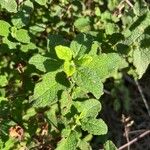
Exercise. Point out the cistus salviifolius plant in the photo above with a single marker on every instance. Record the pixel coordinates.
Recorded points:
(55, 58)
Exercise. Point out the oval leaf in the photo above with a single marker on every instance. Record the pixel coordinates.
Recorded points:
(90, 81)
(69, 143)
(9, 5)
(63, 52)
(22, 36)
(109, 145)
(88, 108)
(4, 28)
(69, 68)
(94, 126)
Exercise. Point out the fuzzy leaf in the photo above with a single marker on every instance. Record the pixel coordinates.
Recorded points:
(22, 36)
(89, 81)
(11, 45)
(44, 64)
(29, 113)
(69, 143)
(9, 144)
(4, 28)
(82, 24)
(88, 108)
(141, 60)
(69, 68)
(22, 17)
(81, 45)
(27, 47)
(3, 81)
(65, 102)
(45, 92)
(83, 145)
(9, 5)
(52, 116)
(94, 126)
(84, 61)
(63, 52)
(109, 145)
(138, 28)
(105, 64)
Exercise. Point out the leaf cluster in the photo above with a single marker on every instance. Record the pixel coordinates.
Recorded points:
(55, 58)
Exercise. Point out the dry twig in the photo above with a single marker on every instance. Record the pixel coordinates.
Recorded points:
(134, 140)
(120, 7)
(143, 97)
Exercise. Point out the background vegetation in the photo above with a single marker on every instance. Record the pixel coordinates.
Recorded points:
(74, 74)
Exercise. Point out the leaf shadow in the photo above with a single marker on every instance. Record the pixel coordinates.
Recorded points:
(52, 64)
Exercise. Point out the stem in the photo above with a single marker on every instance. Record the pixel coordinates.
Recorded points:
(143, 97)
(134, 140)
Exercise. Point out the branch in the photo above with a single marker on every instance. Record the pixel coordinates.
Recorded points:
(134, 140)
(143, 97)
(135, 82)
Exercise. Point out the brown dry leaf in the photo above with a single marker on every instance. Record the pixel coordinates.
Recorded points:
(16, 132)
(44, 130)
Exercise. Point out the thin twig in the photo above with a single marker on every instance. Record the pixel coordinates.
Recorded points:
(129, 3)
(107, 92)
(127, 136)
(120, 7)
(137, 131)
(134, 140)
(143, 97)
(128, 78)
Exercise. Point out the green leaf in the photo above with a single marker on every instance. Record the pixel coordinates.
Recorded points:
(65, 132)
(112, 4)
(27, 47)
(3, 81)
(106, 64)
(110, 28)
(81, 45)
(141, 60)
(138, 28)
(30, 112)
(89, 81)
(106, 16)
(1, 144)
(69, 68)
(109, 145)
(52, 116)
(3, 99)
(54, 40)
(22, 17)
(88, 108)
(82, 24)
(9, 5)
(78, 92)
(11, 45)
(38, 27)
(63, 52)
(83, 145)
(69, 143)
(84, 61)
(4, 28)
(45, 92)
(97, 11)
(22, 36)
(9, 144)
(41, 2)
(65, 102)
(44, 64)
(94, 126)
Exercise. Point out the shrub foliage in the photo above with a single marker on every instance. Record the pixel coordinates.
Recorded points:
(55, 57)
